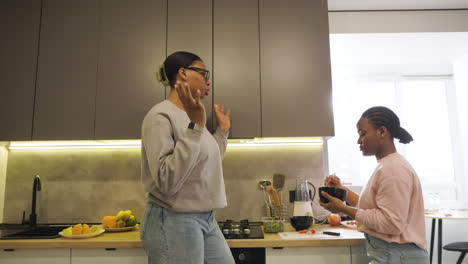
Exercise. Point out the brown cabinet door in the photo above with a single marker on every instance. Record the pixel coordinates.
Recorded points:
(19, 24)
(295, 69)
(132, 46)
(67, 66)
(236, 62)
(190, 29)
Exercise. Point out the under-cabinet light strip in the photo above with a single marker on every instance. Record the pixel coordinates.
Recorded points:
(107, 144)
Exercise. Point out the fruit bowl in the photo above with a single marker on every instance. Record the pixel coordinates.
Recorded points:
(120, 229)
(82, 231)
(83, 235)
(123, 221)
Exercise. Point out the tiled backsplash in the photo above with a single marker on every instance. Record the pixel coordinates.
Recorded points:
(244, 167)
(85, 185)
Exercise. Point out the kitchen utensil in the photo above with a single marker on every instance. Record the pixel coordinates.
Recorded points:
(302, 208)
(302, 190)
(273, 196)
(263, 185)
(263, 188)
(303, 201)
(278, 184)
(331, 233)
(278, 181)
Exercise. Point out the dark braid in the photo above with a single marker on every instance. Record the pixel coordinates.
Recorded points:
(382, 116)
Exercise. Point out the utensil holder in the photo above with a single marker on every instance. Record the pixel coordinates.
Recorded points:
(278, 211)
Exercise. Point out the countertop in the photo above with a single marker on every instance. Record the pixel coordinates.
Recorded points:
(131, 239)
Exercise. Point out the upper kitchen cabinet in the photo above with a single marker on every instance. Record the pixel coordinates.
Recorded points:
(133, 45)
(19, 24)
(236, 61)
(296, 94)
(189, 29)
(66, 77)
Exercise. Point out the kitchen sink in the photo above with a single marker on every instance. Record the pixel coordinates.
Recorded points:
(39, 232)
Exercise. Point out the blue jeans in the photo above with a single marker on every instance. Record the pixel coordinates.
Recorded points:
(381, 251)
(170, 237)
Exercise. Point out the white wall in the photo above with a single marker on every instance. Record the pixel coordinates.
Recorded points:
(460, 69)
(3, 167)
(398, 21)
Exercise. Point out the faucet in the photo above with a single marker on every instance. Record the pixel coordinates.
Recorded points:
(33, 217)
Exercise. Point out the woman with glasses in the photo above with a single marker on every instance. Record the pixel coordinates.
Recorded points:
(181, 169)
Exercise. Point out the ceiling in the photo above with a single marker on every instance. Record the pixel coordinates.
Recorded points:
(336, 5)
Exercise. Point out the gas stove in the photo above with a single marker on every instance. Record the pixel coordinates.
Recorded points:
(241, 230)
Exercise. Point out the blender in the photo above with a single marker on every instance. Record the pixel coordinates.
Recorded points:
(302, 214)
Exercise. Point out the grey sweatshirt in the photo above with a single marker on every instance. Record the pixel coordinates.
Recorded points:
(181, 168)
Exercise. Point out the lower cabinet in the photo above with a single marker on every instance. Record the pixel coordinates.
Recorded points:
(296, 255)
(329, 255)
(359, 255)
(303, 255)
(36, 256)
(108, 256)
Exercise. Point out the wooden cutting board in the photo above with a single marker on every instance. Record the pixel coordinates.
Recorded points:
(296, 235)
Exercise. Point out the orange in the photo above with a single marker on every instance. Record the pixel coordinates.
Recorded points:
(76, 229)
(109, 221)
(85, 229)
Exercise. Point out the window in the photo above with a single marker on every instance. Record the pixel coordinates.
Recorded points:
(425, 103)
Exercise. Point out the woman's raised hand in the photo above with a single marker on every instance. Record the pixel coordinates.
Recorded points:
(223, 117)
(192, 103)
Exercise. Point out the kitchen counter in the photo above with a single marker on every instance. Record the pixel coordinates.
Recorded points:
(131, 239)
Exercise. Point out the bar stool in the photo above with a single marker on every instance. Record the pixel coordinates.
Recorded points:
(461, 247)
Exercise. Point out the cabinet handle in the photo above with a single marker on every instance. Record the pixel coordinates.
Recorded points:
(111, 249)
(9, 249)
(278, 247)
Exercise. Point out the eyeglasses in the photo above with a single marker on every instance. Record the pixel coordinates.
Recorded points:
(204, 72)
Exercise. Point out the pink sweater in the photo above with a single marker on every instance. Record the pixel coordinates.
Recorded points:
(391, 206)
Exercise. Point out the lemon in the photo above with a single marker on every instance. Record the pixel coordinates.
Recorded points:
(67, 231)
(95, 229)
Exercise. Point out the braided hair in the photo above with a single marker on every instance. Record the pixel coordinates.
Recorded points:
(380, 116)
(167, 72)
